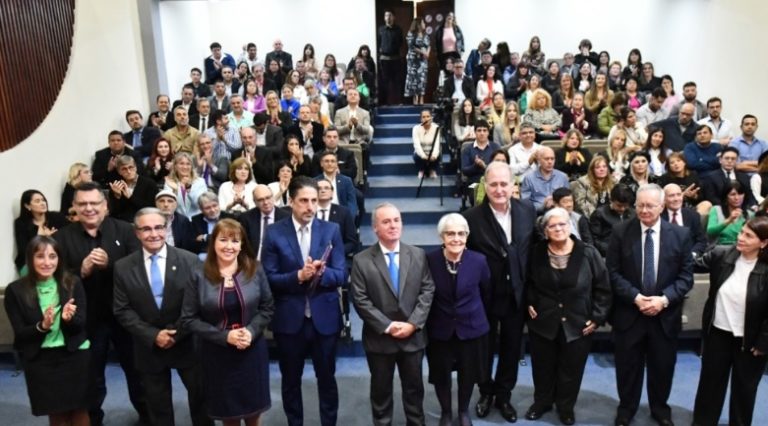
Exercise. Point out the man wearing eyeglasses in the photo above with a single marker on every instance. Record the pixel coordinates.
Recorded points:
(651, 269)
(131, 193)
(90, 249)
(159, 343)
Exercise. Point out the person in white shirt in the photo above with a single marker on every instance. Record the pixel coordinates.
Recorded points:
(426, 145)
(522, 156)
(722, 128)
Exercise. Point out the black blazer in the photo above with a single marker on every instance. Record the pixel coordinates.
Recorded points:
(721, 262)
(183, 236)
(24, 314)
(317, 136)
(143, 196)
(200, 227)
(674, 274)
(149, 135)
(251, 221)
(346, 160)
(25, 230)
(581, 292)
(192, 107)
(572, 170)
(341, 216)
(588, 127)
(136, 310)
(692, 221)
(194, 121)
(508, 262)
(100, 166)
(264, 167)
(467, 88)
(713, 183)
(675, 139)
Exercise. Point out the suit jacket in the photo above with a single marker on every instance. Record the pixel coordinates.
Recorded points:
(264, 167)
(252, 221)
(211, 73)
(200, 227)
(194, 121)
(170, 120)
(346, 160)
(274, 139)
(24, 314)
(459, 308)
(317, 136)
(713, 184)
(346, 192)
(281, 258)
(692, 221)
(149, 135)
(581, 292)
(100, 166)
(341, 216)
(588, 127)
(467, 87)
(192, 107)
(363, 131)
(281, 56)
(378, 305)
(674, 277)
(136, 310)
(183, 235)
(508, 262)
(143, 196)
(675, 139)
(224, 104)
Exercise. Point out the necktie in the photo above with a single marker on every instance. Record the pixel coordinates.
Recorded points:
(649, 273)
(136, 139)
(324, 214)
(202, 125)
(674, 217)
(394, 273)
(304, 242)
(156, 280)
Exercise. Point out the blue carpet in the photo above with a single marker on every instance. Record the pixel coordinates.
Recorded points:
(596, 405)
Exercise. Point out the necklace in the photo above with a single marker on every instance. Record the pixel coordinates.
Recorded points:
(453, 267)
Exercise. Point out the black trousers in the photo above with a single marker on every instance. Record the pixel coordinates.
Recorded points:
(382, 368)
(644, 345)
(293, 349)
(506, 338)
(724, 356)
(158, 389)
(390, 81)
(558, 367)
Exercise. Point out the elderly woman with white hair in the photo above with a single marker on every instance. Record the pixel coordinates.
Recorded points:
(457, 326)
(569, 296)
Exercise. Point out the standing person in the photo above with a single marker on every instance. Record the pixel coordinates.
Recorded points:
(34, 219)
(567, 279)
(502, 229)
(651, 270)
(417, 61)
(305, 281)
(159, 342)
(389, 38)
(228, 305)
(426, 145)
(47, 311)
(734, 327)
(449, 40)
(457, 325)
(89, 249)
(255, 221)
(392, 290)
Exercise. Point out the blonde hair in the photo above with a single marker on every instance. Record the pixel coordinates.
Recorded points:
(535, 97)
(505, 128)
(74, 172)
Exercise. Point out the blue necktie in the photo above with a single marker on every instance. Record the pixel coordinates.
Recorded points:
(136, 139)
(394, 273)
(649, 274)
(156, 280)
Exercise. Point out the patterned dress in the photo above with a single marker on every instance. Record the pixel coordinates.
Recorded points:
(416, 77)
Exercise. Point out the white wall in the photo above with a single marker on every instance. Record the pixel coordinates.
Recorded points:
(331, 26)
(104, 79)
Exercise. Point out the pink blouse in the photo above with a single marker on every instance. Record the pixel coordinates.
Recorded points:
(449, 40)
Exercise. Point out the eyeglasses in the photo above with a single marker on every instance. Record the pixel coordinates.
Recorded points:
(454, 234)
(639, 207)
(84, 204)
(148, 229)
(554, 226)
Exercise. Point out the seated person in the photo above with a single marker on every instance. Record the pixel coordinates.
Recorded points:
(656, 147)
(185, 184)
(203, 223)
(34, 219)
(132, 192)
(179, 231)
(592, 190)
(202, 120)
(200, 89)
(260, 158)
(507, 133)
(750, 146)
(78, 173)
(679, 129)
(187, 101)
(464, 122)
(342, 100)
(517, 84)
(639, 173)
(487, 86)
(476, 156)
(310, 134)
(226, 138)
(268, 135)
(496, 113)
(104, 161)
(160, 161)
(522, 155)
(253, 100)
(715, 182)
(703, 156)
(214, 170)
(599, 94)
(353, 122)
(627, 121)
(327, 86)
(610, 115)
(675, 212)
(605, 217)
(426, 146)
(141, 138)
(726, 220)
(617, 154)
(344, 193)
(542, 116)
(219, 101)
(182, 136)
(300, 163)
(162, 118)
(678, 173)
(579, 118)
(653, 111)
(635, 99)
(563, 198)
(346, 158)
(239, 117)
(572, 158)
(288, 103)
(758, 183)
(215, 63)
(538, 185)
(236, 195)
(332, 212)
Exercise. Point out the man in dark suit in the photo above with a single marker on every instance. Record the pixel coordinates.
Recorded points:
(260, 158)
(142, 138)
(104, 161)
(344, 157)
(392, 290)
(713, 183)
(202, 119)
(187, 100)
(268, 135)
(345, 193)
(203, 223)
(162, 118)
(305, 279)
(502, 228)
(201, 89)
(131, 192)
(462, 82)
(337, 214)
(179, 233)
(149, 289)
(680, 129)
(651, 269)
(214, 63)
(255, 221)
(283, 58)
(308, 131)
(675, 213)
(220, 100)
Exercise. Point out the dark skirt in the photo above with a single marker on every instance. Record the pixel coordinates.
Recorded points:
(468, 357)
(236, 381)
(57, 381)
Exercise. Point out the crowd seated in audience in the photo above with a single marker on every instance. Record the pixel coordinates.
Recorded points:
(679, 174)
(593, 189)
(655, 146)
(236, 195)
(726, 219)
(538, 185)
(638, 172)
(579, 118)
(185, 184)
(572, 158)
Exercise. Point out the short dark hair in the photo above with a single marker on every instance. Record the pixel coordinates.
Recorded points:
(704, 126)
(299, 182)
(324, 154)
(732, 149)
(746, 116)
(250, 45)
(330, 128)
(196, 69)
(260, 119)
(217, 115)
(88, 187)
(714, 99)
(482, 123)
(689, 84)
(215, 45)
(561, 193)
(585, 43)
(659, 93)
(187, 86)
(130, 112)
(622, 194)
(157, 98)
(116, 132)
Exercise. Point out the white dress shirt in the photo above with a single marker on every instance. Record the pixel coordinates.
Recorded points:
(731, 301)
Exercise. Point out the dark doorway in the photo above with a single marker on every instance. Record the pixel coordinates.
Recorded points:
(433, 12)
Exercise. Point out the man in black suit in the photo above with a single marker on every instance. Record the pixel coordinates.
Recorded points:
(268, 134)
(260, 158)
(149, 289)
(141, 138)
(163, 117)
(675, 213)
(179, 229)
(203, 223)
(104, 165)
(502, 228)
(202, 120)
(392, 290)
(340, 215)
(345, 157)
(201, 89)
(187, 100)
(283, 58)
(220, 100)
(132, 192)
(256, 220)
(713, 183)
(466, 89)
(309, 132)
(651, 269)
(679, 130)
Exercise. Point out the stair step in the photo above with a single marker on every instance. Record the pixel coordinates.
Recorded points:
(393, 186)
(401, 109)
(422, 210)
(395, 165)
(392, 130)
(411, 119)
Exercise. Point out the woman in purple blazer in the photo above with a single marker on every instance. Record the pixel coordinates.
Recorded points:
(457, 325)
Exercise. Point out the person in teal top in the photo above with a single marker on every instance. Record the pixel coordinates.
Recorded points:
(46, 309)
(726, 220)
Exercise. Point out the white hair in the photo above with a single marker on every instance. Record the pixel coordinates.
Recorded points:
(452, 219)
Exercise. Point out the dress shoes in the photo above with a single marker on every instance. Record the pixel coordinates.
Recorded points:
(507, 411)
(483, 406)
(535, 412)
(662, 421)
(621, 421)
(464, 419)
(567, 418)
(446, 419)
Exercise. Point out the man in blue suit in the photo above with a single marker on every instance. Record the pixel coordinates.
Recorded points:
(305, 286)
(344, 189)
(651, 269)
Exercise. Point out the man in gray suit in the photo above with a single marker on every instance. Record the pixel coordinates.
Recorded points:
(392, 290)
(353, 122)
(149, 289)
